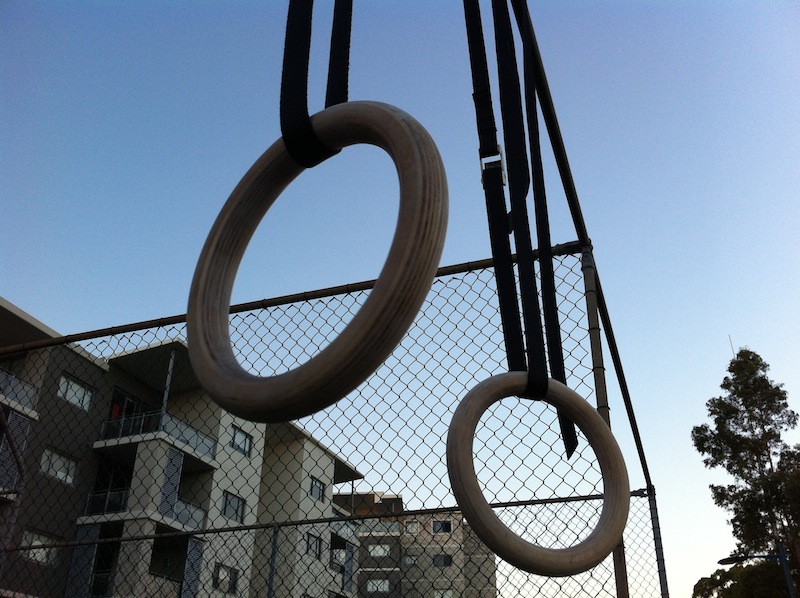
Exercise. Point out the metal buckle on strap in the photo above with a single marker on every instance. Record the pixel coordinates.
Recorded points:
(495, 160)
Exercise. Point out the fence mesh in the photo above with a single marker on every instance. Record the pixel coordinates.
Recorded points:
(135, 483)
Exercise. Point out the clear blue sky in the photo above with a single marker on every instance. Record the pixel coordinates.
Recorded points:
(125, 125)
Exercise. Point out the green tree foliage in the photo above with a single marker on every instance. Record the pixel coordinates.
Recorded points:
(745, 439)
(762, 580)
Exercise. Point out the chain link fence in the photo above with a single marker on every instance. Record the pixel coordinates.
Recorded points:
(119, 476)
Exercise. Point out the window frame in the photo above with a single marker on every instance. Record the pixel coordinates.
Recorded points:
(31, 539)
(445, 525)
(384, 581)
(385, 550)
(443, 560)
(338, 558)
(68, 393)
(411, 527)
(228, 499)
(247, 449)
(317, 487)
(233, 578)
(314, 545)
(49, 458)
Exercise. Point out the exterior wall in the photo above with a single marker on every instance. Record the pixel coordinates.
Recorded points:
(373, 569)
(47, 505)
(132, 576)
(154, 474)
(471, 572)
(480, 567)
(237, 473)
(56, 509)
(425, 545)
(283, 566)
(198, 410)
(281, 499)
(420, 561)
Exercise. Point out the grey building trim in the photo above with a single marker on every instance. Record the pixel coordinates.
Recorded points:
(172, 480)
(81, 571)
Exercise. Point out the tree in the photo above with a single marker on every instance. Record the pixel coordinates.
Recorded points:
(745, 439)
(762, 580)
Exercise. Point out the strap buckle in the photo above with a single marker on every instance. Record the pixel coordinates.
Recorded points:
(494, 160)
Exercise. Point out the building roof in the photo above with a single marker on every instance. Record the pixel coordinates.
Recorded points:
(150, 365)
(18, 326)
(342, 471)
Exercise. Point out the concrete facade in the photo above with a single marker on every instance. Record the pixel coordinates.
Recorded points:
(136, 464)
(418, 555)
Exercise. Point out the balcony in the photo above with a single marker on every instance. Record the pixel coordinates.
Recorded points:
(345, 529)
(112, 501)
(14, 389)
(379, 527)
(155, 421)
(163, 586)
(102, 583)
(189, 515)
(116, 501)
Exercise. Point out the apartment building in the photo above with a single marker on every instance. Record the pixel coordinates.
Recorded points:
(308, 552)
(418, 555)
(127, 459)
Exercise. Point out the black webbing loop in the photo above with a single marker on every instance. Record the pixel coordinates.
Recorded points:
(531, 351)
(555, 351)
(519, 181)
(492, 178)
(301, 142)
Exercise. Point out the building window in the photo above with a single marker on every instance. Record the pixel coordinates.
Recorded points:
(75, 392)
(412, 527)
(317, 490)
(241, 440)
(442, 560)
(46, 556)
(233, 507)
(338, 558)
(442, 527)
(443, 594)
(58, 466)
(378, 550)
(378, 586)
(410, 560)
(314, 546)
(225, 578)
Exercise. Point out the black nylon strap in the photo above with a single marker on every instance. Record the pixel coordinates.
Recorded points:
(301, 142)
(482, 95)
(555, 351)
(492, 178)
(519, 181)
(504, 267)
(339, 63)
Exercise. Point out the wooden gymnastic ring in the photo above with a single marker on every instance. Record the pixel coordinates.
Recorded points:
(554, 562)
(377, 328)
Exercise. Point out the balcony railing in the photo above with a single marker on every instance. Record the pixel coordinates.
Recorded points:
(163, 586)
(190, 515)
(111, 501)
(15, 389)
(116, 501)
(182, 431)
(155, 421)
(102, 583)
(379, 527)
(345, 529)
